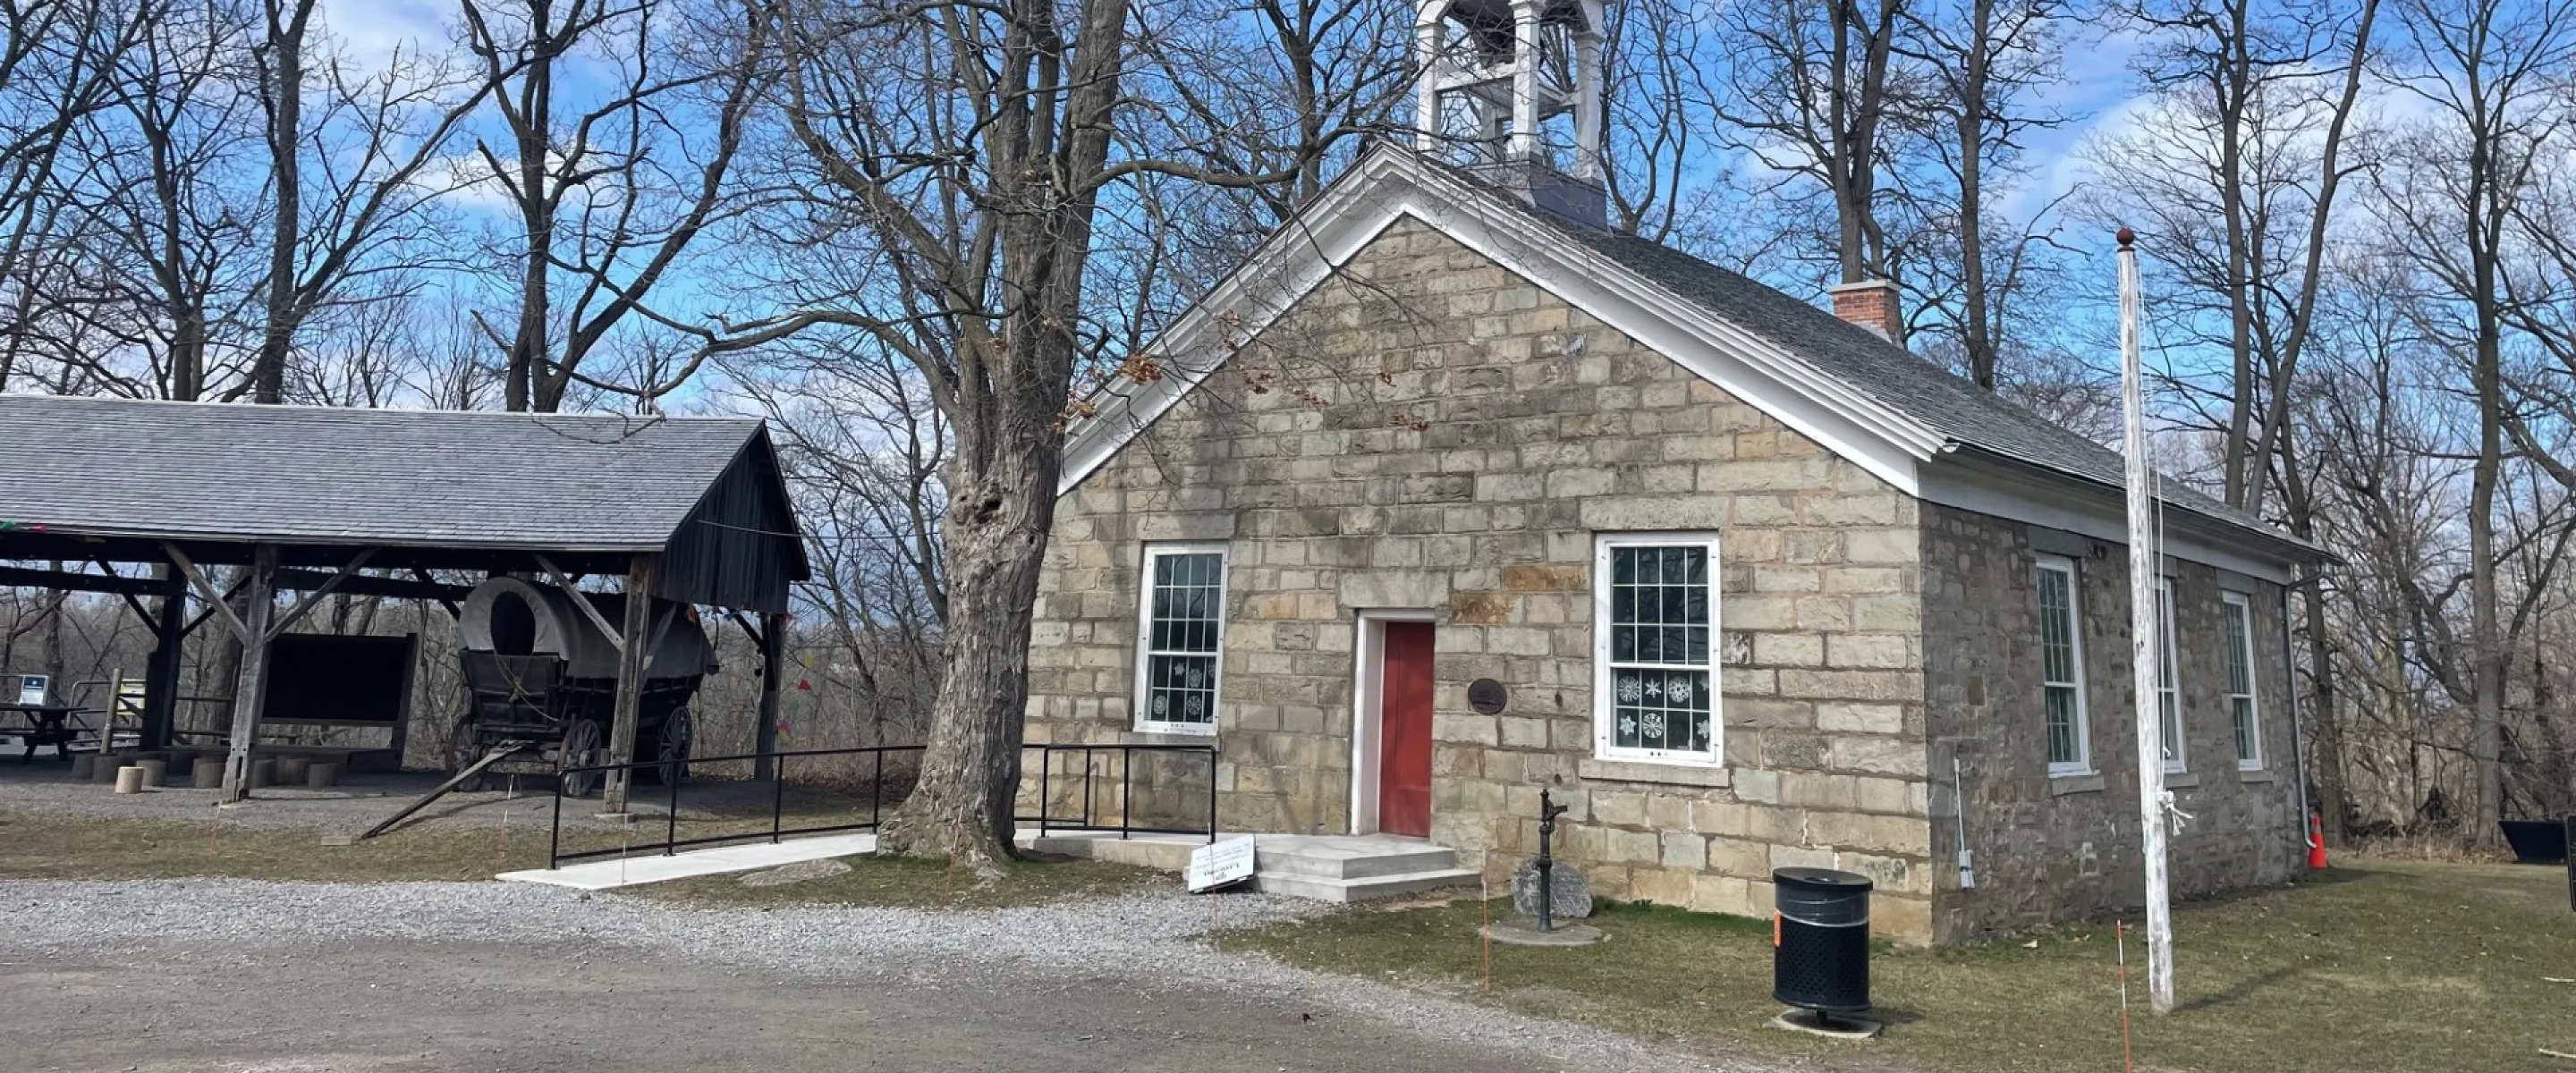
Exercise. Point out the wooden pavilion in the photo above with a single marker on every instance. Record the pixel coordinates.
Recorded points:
(145, 496)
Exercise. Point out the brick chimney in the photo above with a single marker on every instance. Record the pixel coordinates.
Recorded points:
(1872, 304)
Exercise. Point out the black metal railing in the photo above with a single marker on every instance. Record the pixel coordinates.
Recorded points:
(1088, 818)
(671, 842)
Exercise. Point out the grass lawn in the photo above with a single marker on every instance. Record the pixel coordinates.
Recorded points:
(39, 846)
(2377, 966)
(904, 883)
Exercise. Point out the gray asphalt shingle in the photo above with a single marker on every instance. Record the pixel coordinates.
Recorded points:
(321, 475)
(1949, 404)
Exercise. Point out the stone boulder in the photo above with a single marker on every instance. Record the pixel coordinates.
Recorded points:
(1573, 893)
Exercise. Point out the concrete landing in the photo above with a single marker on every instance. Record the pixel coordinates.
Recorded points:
(633, 871)
(1329, 868)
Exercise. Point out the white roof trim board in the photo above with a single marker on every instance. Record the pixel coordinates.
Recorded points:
(1903, 440)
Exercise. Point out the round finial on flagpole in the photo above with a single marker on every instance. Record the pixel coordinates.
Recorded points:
(2127, 237)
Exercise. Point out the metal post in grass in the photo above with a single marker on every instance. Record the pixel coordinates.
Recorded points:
(1126, 769)
(554, 832)
(777, 793)
(671, 828)
(1211, 755)
(1548, 811)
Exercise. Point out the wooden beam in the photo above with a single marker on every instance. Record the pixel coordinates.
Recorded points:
(215, 604)
(749, 628)
(372, 585)
(305, 605)
(455, 593)
(161, 674)
(630, 680)
(773, 654)
(252, 688)
(607, 629)
(139, 610)
(20, 577)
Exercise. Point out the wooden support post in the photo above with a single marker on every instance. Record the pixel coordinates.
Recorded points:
(631, 656)
(261, 601)
(161, 672)
(773, 673)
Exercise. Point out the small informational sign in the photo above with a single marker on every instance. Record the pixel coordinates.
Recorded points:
(1219, 864)
(32, 688)
(1487, 696)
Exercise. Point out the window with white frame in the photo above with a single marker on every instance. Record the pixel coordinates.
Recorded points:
(2061, 669)
(2239, 612)
(1655, 687)
(1183, 632)
(2168, 693)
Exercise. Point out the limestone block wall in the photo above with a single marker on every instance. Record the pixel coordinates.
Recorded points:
(1431, 432)
(2061, 848)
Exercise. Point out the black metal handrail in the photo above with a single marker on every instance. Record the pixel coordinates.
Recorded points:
(672, 842)
(1087, 819)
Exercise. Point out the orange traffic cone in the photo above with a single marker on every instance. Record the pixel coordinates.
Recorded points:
(2316, 842)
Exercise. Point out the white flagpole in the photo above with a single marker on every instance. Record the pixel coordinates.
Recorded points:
(2145, 569)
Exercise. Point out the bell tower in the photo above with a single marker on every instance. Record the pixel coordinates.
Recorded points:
(1511, 89)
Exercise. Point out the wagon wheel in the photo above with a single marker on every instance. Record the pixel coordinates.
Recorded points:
(672, 749)
(462, 751)
(581, 747)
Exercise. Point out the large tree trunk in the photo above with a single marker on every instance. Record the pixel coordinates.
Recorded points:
(996, 533)
(286, 125)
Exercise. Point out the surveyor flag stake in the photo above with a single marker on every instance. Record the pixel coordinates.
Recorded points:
(2145, 567)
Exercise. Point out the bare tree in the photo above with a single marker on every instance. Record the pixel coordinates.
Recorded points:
(2489, 71)
(609, 191)
(373, 138)
(1814, 90)
(1984, 61)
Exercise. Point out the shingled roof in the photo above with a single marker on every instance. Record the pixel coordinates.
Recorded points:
(1967, 415)
(300, 474)
(444, 488)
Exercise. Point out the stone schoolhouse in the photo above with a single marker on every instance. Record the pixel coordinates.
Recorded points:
(1758, 587)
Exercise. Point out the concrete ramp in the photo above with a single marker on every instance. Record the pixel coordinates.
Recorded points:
(613, 873)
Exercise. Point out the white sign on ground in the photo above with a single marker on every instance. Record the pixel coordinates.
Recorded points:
(1219, 864)
(31, 690)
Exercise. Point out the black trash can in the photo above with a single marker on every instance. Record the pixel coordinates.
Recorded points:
(1820, 939)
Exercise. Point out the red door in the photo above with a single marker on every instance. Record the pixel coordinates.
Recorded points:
(1404, 736)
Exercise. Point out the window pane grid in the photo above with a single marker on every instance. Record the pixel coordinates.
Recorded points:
(2061, 670)
(1660, 629)
(2240, 681)
(1183, 634)
(2168, 695)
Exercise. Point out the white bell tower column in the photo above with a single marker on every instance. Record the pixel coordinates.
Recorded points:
(1511, 82)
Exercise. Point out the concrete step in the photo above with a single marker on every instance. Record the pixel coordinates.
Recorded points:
(1390, 862)
(1362, 889)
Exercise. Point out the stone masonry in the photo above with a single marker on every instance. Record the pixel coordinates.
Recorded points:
(2058, 848)
(1433, 432)
(1428, 431)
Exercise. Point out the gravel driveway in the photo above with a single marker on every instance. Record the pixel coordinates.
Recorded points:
(235, 975)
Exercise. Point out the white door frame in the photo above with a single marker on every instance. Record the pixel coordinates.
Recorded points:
(1368, 670)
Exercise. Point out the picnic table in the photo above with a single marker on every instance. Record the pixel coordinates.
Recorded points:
(42, 725)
